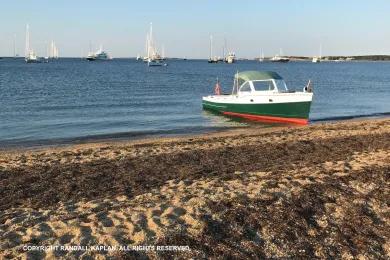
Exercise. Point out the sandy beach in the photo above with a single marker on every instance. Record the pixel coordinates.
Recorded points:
(316, 191)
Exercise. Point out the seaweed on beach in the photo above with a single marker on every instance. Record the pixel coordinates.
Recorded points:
(316, 192)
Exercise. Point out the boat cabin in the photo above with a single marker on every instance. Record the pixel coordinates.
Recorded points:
(253, 82)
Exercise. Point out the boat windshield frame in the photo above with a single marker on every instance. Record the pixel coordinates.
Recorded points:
(278, 84)
(282, 87)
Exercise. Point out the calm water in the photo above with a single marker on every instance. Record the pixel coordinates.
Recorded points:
(72, 99)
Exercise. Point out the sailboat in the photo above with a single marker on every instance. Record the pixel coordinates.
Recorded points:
(261, 57)
(53, 53)
(46, 58)
(279, 57)
(15, 53)
(30, 56)
(153, 58)
(318, 59)
(211, 58)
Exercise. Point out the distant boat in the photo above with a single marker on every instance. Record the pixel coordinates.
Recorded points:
(53, 51)
(261, 57)
(153, 58)
(30, 56)
(15, 53)
(278, 58)
(91, 56)
(211, 58)
(99, 55)
(230, 58)
(319, 58)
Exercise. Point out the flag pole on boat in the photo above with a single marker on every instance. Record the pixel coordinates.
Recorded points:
(217, 88)
(235, 84)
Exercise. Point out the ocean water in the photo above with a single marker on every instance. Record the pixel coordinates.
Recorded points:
(74, 100)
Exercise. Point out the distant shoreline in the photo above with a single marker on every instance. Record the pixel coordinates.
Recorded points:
(293, 58)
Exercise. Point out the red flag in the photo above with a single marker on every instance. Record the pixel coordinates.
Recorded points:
(217, 89)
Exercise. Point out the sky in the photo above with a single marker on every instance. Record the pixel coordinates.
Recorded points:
(299, 27)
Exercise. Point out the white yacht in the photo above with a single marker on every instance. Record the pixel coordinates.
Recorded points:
(231, 57)
(99, 55)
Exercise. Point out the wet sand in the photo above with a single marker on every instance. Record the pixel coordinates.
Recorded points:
(316, 191)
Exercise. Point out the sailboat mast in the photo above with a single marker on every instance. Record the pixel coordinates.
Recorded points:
(224, 47)
(163, 52)
(14, 45)
(320, 51)
(90, 46)
(151, 43)
(27, 50)
(50, 55)
(211, 47)
(147, 45)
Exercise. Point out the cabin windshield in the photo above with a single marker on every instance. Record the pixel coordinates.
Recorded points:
(246, 87)
(263, 85)
(281, 85)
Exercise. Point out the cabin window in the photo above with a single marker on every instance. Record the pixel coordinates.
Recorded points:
(281, 85)
(246, 87)
(263, 85)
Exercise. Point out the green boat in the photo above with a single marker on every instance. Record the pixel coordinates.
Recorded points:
(262, 96)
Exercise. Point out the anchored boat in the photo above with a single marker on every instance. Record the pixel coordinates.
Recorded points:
(153, 58)
(30, 57)
(262, 96)
(100, 55)
(278, 58)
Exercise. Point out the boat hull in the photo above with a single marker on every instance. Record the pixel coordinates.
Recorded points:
(154, 64)
(281, 60)
(291, 112)
(33, 61)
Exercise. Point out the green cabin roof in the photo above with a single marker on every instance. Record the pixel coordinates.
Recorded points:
(257, 75)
